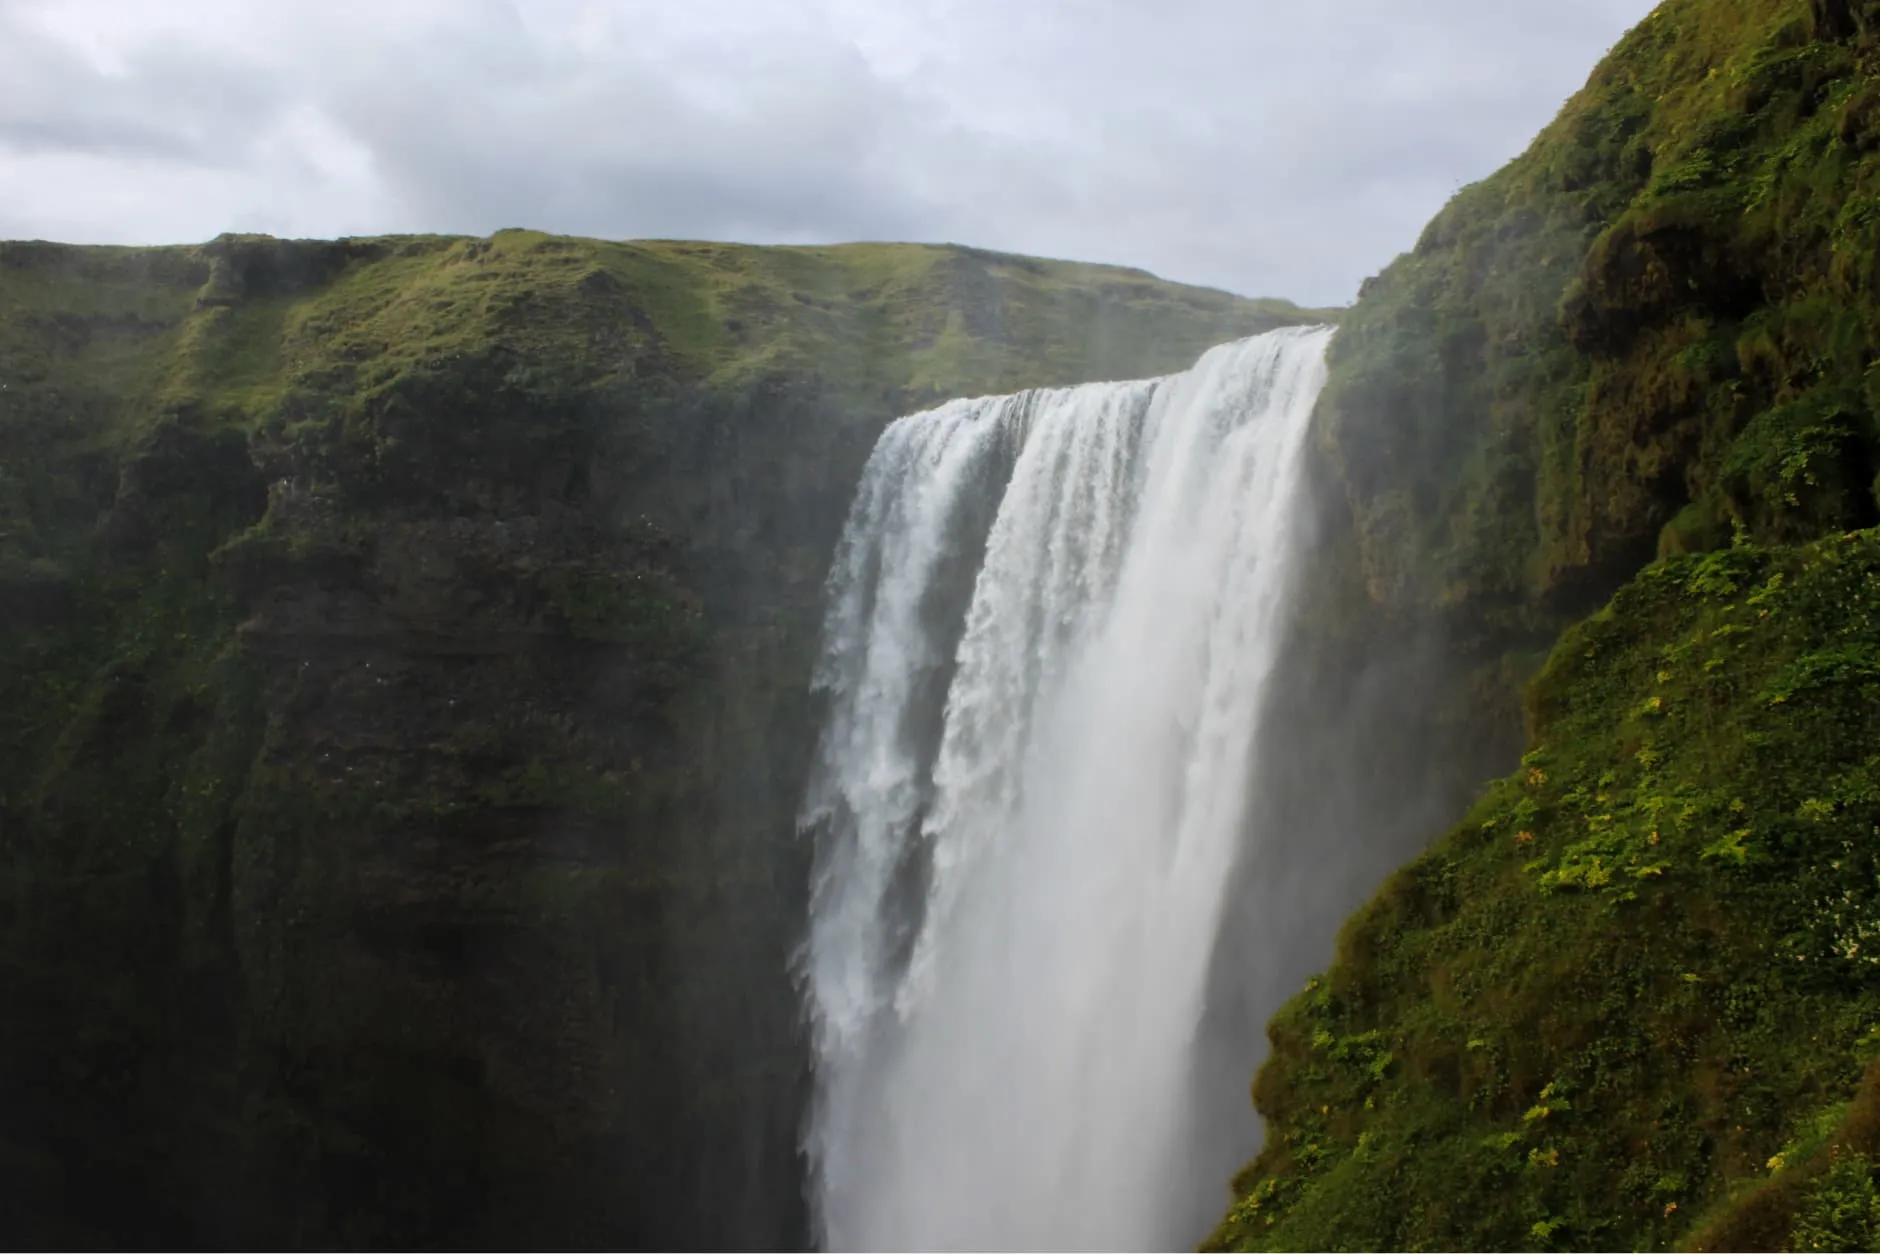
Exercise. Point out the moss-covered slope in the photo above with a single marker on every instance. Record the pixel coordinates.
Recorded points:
(404, 649)
(1627, 1003)
(1656, 321)
(1638, 980)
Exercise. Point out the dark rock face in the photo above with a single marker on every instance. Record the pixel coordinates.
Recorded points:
(464, 882)
(1842, 19)
(498, 915)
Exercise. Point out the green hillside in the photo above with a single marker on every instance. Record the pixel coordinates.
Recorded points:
(1627, 1002)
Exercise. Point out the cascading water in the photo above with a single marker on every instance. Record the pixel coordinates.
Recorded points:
(1052, 619)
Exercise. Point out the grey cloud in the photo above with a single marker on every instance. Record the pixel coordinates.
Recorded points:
(630, 152)
(170, 101)
(1267, 148)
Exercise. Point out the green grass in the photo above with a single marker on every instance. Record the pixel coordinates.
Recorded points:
(1642, 976)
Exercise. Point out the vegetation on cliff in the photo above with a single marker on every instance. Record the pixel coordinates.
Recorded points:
(1634, 991)
(1656, 322)
(404, 649)
(1629, 1001)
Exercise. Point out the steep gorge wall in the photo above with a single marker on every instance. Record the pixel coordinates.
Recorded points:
(1623, 1003)
(403, 705)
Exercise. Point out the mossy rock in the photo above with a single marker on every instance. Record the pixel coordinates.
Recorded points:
(1567, 360)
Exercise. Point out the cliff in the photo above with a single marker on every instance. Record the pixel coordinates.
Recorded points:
(1605, 445)
(404, 648)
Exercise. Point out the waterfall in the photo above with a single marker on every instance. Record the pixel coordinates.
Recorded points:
(1052, 617)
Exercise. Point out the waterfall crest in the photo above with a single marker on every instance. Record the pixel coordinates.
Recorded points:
(1052, 618)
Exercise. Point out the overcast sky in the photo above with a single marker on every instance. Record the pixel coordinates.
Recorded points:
(1269, 148)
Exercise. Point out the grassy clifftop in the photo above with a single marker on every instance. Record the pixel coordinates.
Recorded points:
(331, 349)
(236, 319)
